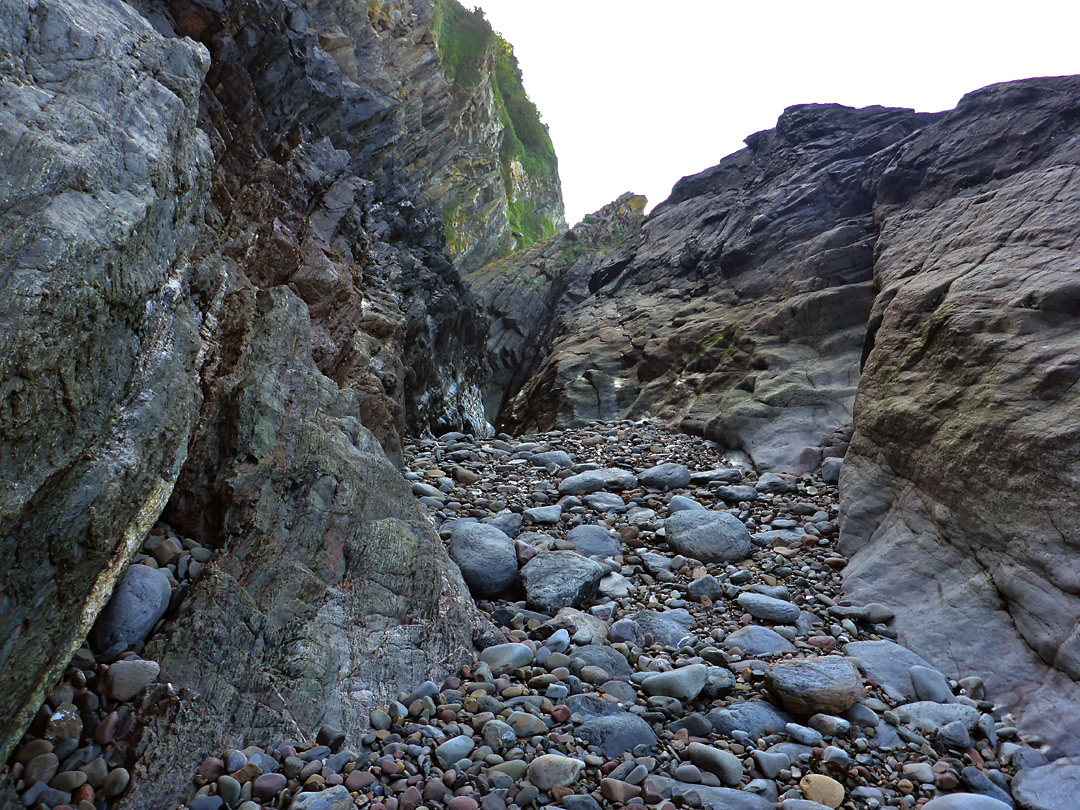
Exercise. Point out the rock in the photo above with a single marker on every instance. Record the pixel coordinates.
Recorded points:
(888, 663)
(822, 789)
(965, 801)
(670, 627)
(596, 542)
(808, 686)
(757, 640)
(116, 782)
(507, 656)
(557, 579)
(41, 768)
(549, 515)
(138, 601)
(609, 660)
(684, 683)
(756, 717)
(928, 716)
(611, 478)
(830, 469)
(665, 476)
(454, 749)
(768, 609)
(550, 770)
(1049, 787)
(267, 786)
(708, 536)
(605, 502)
(560, 458)
(721, 798)
(680, 503)
(334, 798)
(705, 586)
(929, 684)
(774, 484)
(125, 679)
(723, 764)
(499, 735)
(485, 556)
(616, 734)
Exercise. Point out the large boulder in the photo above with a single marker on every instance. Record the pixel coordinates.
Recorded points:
(139, 600)
(823, 684)
(486, 557)
(608, 478)
(597, 542)
(555, 580)
(708, 536)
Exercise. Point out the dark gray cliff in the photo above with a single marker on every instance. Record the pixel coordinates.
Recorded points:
(738, 311)
(225, 297)
(962, 484)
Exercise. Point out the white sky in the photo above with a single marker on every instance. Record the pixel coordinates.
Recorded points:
(638, 94)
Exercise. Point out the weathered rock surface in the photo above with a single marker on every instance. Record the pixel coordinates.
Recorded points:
(104, 180)
(964, 472)
(739, 309)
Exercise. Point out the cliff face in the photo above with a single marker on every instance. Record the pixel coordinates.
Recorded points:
(738, 309)
(963, 479)
(229, 299)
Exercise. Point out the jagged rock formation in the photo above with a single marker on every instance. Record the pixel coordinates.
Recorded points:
(526, 295)
(962, 484)
(738, 311)
(230, 295)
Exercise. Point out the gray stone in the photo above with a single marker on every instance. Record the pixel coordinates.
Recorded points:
(498, 735)
(803, 734)
(808, 686)
(737, 493)
(768, 609)
(454, 749)
(507, 656)
(138, 601)
(544, 514)
(669, 628)
(486, 557)
(706, 586)
(555, 580)
(801, 804)
(770, 764)
(680, 503)
(596, 480)
(757, 640)
(966, 801)
(605, 502)
(888, 663)
(616, 734)
(1049, 787)
(615, 586)
(560, 458)
(722, 764)
(708, 536)
(756, 717)
(335, 798)
(722, 798)
(609, 660)
(595, 542)
(506, 521)
(665, 476)
(774, 484)
(125, 679)
(928, 716)
(830, 469)
(929, 684)
(683, 683)
(592, 705)
(720, 682)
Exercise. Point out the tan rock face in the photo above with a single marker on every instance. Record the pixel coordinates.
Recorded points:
(964, 470)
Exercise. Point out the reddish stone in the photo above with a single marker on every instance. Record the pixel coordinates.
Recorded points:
(359, 780)
(410, 799)
(608, 767)
(106, 730)
(462, 803)
(211, 767)
(947, 781)
(560, 713)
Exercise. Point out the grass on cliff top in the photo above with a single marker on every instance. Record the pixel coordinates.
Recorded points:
(464, 39)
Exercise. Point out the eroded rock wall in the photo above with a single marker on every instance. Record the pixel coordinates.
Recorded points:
(962, 483)
(738, 311)
(105, 177)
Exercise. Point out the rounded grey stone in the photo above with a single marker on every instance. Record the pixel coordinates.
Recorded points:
(486, 557)
(138, 601)
(708, 536)
(811, 685)
(665, 476)
(595, 542)
(768, 609)
(966, 801)
(684, 683)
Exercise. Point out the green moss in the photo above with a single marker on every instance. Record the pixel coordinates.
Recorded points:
(526, 221)
(526, 138)
(464, 38)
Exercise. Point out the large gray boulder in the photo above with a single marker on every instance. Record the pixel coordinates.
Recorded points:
(608, 478)
(486, 557)
(597, 542)
(138, 601)
(555, 580)
(708, 536)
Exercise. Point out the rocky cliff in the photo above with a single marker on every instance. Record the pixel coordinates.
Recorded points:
(738, 309)
(963, 479)
(227, 295)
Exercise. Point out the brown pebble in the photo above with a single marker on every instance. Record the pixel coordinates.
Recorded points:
(103, 734)
(560, 713)
(947, 781)
(619, 792)
(410, 799)
(359, 780)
